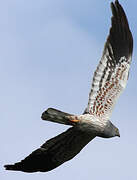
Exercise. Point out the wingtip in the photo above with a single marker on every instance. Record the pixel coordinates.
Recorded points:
(120, 24)
(14, 167)
(9, 167)
(114, 3)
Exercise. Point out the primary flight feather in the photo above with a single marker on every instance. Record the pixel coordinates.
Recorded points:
(110, 78)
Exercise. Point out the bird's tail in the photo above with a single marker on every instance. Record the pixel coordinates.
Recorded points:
(57, 116)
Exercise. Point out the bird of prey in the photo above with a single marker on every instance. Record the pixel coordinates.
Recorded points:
(110, 78)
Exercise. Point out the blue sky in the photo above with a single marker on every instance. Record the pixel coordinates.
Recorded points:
(49, 51)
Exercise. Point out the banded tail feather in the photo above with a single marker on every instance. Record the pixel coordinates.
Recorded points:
(56, 116)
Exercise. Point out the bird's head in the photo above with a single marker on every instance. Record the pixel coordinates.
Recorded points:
(110, 131)
(114, 131)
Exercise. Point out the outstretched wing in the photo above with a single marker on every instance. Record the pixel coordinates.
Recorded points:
(111, 75)
(54, 152)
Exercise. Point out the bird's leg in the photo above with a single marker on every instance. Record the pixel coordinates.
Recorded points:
(74, 119)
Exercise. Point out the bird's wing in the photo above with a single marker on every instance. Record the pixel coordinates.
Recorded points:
(54, 152)
(111, 75)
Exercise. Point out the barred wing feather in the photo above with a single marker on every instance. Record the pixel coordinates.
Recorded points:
(111, 75)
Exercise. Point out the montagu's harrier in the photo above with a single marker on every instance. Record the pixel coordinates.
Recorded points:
(110, 78)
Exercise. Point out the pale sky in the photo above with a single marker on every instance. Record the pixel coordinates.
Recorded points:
(49, 51)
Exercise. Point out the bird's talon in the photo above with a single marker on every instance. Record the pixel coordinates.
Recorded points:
(74, 120)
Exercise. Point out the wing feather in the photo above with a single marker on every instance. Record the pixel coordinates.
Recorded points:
(111, 75)
(54, 152)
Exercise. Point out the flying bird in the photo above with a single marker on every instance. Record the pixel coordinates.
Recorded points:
(110, 79)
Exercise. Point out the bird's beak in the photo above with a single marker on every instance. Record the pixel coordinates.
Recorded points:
(118, 134)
